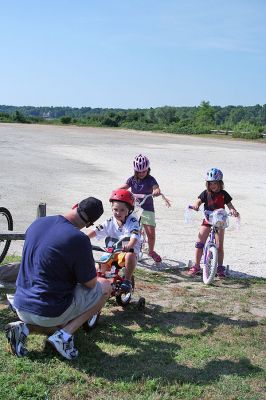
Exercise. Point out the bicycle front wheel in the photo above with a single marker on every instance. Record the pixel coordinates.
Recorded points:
(123, 299)
(210, 265)
(143, 243)
(6, 223)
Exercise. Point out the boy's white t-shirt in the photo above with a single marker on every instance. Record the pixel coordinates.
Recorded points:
(111, 230)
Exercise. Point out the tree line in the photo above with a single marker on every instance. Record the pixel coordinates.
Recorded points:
(242, 121)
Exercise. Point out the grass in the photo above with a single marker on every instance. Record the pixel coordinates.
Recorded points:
(191, 342)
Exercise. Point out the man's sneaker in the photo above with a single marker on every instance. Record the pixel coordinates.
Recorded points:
(221, 272)
(16, 334)
(126, 286)
(195, 270)
(64, 347)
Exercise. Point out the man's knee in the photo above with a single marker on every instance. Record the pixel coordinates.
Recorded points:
(106, 288)
(9, 272)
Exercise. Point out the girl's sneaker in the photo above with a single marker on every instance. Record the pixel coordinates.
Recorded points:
(221, 272)
(195, 270)
(155, 256)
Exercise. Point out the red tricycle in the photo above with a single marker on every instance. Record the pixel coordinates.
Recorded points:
(113, 259)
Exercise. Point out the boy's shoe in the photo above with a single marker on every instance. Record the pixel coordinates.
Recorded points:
(221, 272)
(64, 347)
(126, 286)
(16, 334)
(195, 270)
(155, 256)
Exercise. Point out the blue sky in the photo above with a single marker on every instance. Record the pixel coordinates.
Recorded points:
(132, 53)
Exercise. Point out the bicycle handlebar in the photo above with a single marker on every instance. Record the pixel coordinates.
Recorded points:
(208, 212)
(145, 197)
(115, 247)
(110, 250)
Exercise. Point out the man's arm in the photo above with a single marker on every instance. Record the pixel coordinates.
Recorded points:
(91, 284)
(91, 234)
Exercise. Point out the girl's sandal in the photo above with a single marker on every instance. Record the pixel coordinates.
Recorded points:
(155, 256)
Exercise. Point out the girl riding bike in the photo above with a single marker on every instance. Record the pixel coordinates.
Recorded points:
(143, 183)
(213, 198)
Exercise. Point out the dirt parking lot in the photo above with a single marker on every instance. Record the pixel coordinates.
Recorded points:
(60, 165)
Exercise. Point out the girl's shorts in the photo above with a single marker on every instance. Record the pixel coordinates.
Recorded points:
(148, 218)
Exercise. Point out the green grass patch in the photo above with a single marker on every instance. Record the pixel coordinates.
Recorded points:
(191, 342)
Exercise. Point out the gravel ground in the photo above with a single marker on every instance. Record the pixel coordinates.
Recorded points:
(60, 165)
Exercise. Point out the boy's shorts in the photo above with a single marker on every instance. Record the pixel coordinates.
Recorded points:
(148, 218)
(84, 299)
(119, 258)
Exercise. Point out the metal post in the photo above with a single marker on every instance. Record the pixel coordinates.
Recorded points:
(41, 210)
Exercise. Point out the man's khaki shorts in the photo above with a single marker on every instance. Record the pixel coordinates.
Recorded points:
(84, 299)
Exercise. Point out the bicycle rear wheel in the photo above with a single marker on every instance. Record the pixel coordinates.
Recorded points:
(6, 223)
(210, 266)
(91, 323)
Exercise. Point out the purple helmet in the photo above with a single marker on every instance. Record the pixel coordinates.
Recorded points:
(141, 163)
(214, 174)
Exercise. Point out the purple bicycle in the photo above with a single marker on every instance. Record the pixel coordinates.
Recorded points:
(218, 219)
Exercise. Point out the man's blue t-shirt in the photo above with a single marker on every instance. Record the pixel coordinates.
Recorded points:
(56, 256)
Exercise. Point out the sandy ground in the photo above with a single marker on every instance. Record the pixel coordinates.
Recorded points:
(62, 165)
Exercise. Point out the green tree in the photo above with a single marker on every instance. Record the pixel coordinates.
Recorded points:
(246, 130)
(19, 117)
(205, 114)
(166, 115)
(65, 119)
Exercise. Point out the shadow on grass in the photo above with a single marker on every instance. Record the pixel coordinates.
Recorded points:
(165, 264)
(154, 317)
(131, 346)
(176, 271)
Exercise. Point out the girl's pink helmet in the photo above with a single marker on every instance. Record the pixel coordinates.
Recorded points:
(141, 163)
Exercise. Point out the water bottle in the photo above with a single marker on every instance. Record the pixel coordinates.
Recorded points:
(188, 215)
